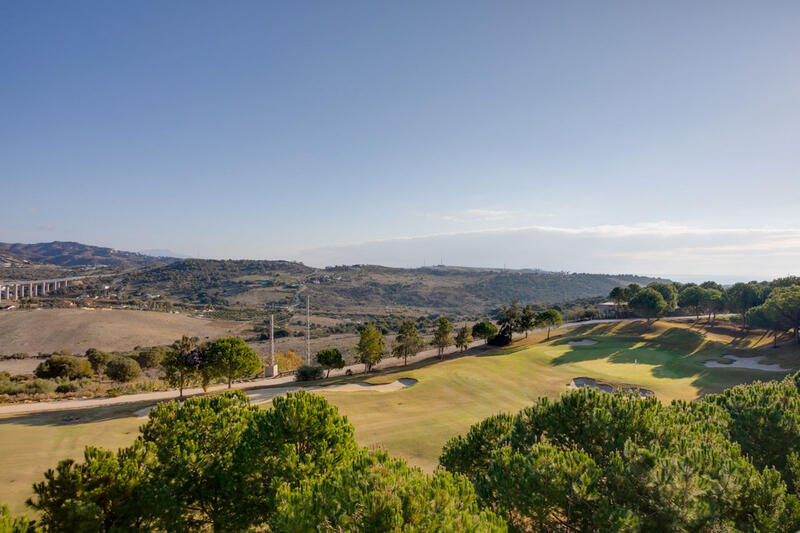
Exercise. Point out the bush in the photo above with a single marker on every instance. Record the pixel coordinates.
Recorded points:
(288, 361)
(40, 386)
(151, 357)
(67, 387)
(113, 392)
(123, 369)
(64, 366)
(98, 359)
(74, 385)
(9, 387)
(309, 373)
(501, 339)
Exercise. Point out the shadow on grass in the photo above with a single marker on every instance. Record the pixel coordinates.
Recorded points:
(74, 417)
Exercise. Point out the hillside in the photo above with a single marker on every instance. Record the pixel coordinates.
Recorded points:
(365, 289)
(76, 330)
(73, 254)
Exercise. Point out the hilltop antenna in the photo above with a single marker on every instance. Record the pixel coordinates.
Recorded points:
(308, 330)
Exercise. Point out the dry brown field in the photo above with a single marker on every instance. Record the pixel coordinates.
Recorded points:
(76, 330)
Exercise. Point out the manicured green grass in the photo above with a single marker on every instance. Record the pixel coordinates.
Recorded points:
(414, 423)
(29, 445)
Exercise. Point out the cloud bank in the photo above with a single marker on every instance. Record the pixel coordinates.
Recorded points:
(657, 248)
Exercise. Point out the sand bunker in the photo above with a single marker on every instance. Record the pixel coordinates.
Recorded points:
(583, 342)
(401, 383)
(264, 395)
(750, 363)
(579, 383)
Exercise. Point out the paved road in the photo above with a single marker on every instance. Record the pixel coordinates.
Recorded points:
(63, 405)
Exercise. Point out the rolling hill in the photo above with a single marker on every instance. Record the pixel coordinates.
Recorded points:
(365, 289)
(74, 254)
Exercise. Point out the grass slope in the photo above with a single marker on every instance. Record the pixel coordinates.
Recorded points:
(414, 423)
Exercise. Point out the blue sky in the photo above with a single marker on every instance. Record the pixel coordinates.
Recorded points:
(639, 137)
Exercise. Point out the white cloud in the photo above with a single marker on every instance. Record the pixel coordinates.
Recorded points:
(479, 215)
(490, 214)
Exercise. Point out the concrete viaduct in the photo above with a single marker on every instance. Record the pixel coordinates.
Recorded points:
(14, 290)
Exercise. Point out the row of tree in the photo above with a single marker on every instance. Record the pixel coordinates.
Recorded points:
(190, 361)
(515, 319)
(773, 306)
(408, 343)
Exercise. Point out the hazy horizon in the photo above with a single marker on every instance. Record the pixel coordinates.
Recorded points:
(656, 139)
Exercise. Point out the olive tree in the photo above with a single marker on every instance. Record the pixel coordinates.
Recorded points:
(550, 318)
(182, 363)
(484, 330)
(232, 358)
(330, 358)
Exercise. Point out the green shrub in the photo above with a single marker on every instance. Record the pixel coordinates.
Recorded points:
(98, 359)
(9, 387)
(70, 386)
(146, 385)
(308, 373)
(113, 392)
(123, 369)
(64, 366)
(151, 357)
(40, 386)
(15, 524)
(501, 339)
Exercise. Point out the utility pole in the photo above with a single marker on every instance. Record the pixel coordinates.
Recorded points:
(271, 371)
(308, 330)
(271, 340)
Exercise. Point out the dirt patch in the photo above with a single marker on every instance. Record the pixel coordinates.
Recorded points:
(749, 363)
(582, 342)
(579, 383)
(19, 366)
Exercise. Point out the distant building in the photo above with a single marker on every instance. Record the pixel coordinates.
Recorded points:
(606, 307)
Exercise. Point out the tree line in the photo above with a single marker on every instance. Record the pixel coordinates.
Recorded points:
(588, 461)
(371, 347)
(773, 306)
